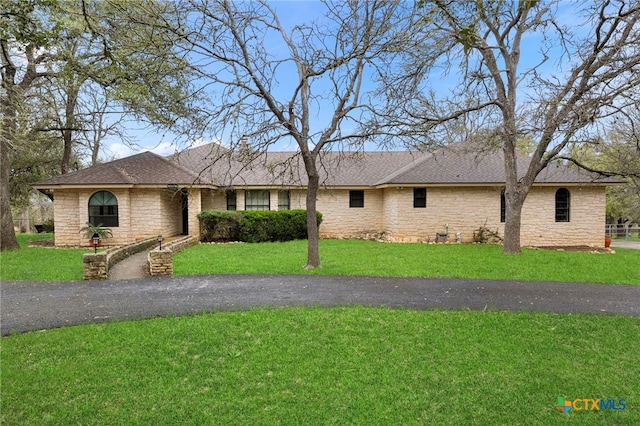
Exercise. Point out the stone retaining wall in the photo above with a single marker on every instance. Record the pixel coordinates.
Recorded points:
(161, 261)
(96, 266)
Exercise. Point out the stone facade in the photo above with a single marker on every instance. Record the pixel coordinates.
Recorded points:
(142, 213)
(96, 265)
(585, 226)
(388, 213)
(160, 262)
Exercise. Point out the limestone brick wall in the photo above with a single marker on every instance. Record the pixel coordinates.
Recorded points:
(66, 219)
(96, 266)
(339, 220)
(121, 234)
(298, 199)
(213, 199)
(71, 212)
(388, 213)
(171, 212)
(195, 207)
(586, 219)
(160, 262)
(463, 209)
(146, 212)
(142, 213)
(239, 199)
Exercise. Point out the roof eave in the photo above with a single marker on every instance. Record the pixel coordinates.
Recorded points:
(120, 186)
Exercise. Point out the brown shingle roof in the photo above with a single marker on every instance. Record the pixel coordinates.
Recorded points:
(451, 166)
(213, 164)
(145, 168)
(443, 167)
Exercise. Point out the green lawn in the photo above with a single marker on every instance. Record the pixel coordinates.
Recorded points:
(351, 257)
(354, 365)
(325, 366)
(356, 257)
(41, 263)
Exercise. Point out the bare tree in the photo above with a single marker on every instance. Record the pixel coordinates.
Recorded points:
(67, 44)
(100, 120)
(81, 114)
(563, 90)
(21, 37)
(618, 155)
(304, 82)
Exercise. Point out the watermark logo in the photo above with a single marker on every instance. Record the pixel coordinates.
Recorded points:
(590, 404)
(563, 405)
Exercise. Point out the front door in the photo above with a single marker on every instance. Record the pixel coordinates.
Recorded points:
(185, 211)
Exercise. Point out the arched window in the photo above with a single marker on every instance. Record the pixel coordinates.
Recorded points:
(563, 205)
(103, 209)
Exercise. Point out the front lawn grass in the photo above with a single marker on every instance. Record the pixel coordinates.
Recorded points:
(369, 258)
(41, 263)
(350, 257)
(325, 366)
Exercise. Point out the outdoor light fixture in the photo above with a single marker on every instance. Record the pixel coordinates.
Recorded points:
(96, 241)
(160, 241)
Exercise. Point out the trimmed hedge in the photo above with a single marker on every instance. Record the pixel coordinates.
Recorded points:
(219, 225)
(254, 226)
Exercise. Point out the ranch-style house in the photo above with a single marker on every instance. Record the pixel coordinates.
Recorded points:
(398, 196)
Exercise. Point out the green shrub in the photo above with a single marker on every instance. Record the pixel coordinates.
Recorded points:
(48, 226)
(484, 235)
(254, 226)
(219, 225)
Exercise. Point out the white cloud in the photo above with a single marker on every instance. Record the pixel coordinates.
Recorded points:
(119, 150)
(163, 148)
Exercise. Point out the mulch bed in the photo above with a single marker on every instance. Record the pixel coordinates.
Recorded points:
(574, 248)
(42, 243)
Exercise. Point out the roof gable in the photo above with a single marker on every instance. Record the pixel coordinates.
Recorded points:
(145, 168)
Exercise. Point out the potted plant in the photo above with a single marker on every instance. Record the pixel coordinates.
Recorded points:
(92, 231)
(607, 241)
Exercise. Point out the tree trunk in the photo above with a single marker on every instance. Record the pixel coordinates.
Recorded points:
(68, 126)
(515, 194)
(512, 225)
(313, 251)
(8, 239)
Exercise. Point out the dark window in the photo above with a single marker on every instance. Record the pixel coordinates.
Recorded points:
(231, 200)
(356, 198)
(503, 207)
(419, 197)
(256, 200)
(103, 209)
(563, 205)
(284, 200)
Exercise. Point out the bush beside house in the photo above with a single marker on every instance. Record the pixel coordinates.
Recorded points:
(253, 226)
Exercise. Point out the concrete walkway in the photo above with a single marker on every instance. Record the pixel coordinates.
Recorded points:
(134, 266)
(629, 244)
(30, 306)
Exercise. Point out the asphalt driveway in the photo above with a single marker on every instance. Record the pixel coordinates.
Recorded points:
(30, 306)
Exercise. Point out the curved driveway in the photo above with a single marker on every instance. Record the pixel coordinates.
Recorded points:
(29, 306)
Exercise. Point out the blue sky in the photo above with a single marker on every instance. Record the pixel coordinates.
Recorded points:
(293, 12)
(290, 12)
